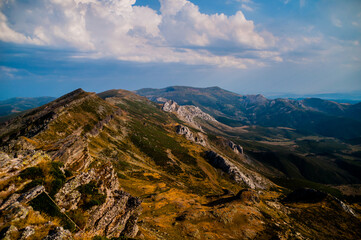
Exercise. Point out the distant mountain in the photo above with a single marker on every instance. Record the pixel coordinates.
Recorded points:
(311, 115)
(352, 98)
(19, 104)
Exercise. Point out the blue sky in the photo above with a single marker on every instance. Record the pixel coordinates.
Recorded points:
(48, 48)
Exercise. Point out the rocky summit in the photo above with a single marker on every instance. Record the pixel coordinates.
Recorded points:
(116, 165)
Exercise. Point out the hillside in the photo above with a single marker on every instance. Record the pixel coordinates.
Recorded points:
(311, 116)
(16, 105)
(118, 165)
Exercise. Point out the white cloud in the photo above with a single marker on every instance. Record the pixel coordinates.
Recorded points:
(8, 71)
(247, 8)
(336, 22)
(118, 29)
(9, 35)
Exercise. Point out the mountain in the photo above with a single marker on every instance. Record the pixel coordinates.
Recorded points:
(311, 116)
(116, 165)
(16, 105)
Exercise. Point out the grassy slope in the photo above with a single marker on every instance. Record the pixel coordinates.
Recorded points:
(168, 172)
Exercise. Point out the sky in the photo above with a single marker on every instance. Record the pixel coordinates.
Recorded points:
(49, 48)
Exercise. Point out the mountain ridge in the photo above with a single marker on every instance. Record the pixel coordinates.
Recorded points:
(116, 164)
(310, 115)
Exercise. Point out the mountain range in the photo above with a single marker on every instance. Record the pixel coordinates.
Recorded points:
(309, 115)
(180, 163)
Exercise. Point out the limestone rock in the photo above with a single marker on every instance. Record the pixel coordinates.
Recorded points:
(187, 113)
(68, 196)
(31, 194)
(28, 231)
(59, 234)
(117, 215)
(235, 147)
(10, 201)
(250, 179)
(198, 138)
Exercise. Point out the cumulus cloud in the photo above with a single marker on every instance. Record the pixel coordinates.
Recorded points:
(119, 29)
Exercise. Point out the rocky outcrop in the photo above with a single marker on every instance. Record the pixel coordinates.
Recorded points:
(59, 234)
(100, 125)
(68, 196)
(119, 213)
(235, 147)
(187, 113)
(16, 198)
(27, 232)
(198, 138)
(31, 194)
(250, 179)
(117, 216)
(73, 152)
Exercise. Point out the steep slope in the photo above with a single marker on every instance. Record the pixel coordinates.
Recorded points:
(309, 116)
(116, 164)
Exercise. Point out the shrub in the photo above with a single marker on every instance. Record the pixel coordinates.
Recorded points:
(90, 195)
(78, 217)
(32, 173)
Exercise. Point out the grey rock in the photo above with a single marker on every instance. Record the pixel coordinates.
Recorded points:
(16, 212)
(250, 179)
(31, 194)
(118, 215)
(187, 113)
(10, 201)
(235, 147)
(59, 234)
(68, 196)
(28, 231)
(187, 133)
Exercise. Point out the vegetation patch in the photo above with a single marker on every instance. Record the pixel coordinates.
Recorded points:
(45, 204)
(32, 173)
(90, 196)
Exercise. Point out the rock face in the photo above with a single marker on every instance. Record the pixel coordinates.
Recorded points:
(250, 180)
(59, 234)
(187, 113)
(235, 147)
(24, 198)
(28, 231)
(117, 215)
(198, 138)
